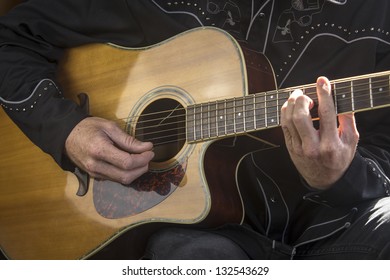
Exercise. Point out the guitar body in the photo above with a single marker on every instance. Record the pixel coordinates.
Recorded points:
(41, 217)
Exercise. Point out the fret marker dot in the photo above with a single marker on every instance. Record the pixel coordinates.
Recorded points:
(380, 89)
(343, 95)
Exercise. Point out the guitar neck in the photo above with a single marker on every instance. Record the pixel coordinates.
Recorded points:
(223, 118)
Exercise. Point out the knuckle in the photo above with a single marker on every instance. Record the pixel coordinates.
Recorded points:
(289, 118)
(296, 93)
(93, 147)
(356, 136)
(129, 140)
(285, 129)
(126, 180)
(94, 150)
(327, 150)
(127, 163)
(298, 117)
(303, 101)
(300, 99)
(325, 111)
(91, 166)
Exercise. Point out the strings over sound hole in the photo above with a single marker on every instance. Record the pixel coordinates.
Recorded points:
(163, 123)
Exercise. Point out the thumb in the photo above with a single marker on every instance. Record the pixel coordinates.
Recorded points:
(127, 142)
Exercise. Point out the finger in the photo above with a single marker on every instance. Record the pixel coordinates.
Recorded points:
(290, 133)
(122, 159)
(326, 109)
(125, 141)
(303, 121)
(347, 129)
(107, 171)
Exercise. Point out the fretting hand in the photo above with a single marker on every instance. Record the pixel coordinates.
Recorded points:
(321, 156)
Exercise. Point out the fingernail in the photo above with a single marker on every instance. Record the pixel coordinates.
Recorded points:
(321, 82)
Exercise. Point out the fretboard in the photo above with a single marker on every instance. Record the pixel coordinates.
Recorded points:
(259, 111)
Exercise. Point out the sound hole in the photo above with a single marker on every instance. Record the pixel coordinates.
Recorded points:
(163, 123)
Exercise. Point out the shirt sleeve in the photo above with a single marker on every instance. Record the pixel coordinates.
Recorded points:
(33, 37)
(28, 90)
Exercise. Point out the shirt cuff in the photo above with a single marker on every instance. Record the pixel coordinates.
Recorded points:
(363, 180)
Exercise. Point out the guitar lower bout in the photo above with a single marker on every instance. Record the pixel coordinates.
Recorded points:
(142, 89)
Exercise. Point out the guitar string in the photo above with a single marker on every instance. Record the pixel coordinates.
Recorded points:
(229, 128)
(357, 98)
(264, 95)
(207, 135)
(369, 89)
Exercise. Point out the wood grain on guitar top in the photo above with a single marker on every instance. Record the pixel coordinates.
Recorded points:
(41, 217)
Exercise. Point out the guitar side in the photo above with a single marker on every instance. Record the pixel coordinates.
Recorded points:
(40, 215)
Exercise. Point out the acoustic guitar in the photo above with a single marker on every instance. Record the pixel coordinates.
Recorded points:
(189, 96)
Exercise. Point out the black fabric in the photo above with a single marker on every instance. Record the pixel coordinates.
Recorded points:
(302, 40)
(185, 244)
(33, 37)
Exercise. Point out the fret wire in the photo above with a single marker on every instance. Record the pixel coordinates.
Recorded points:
(225, 117)
(195, 139)
(216, 119)
(352, 97)
(206, 130)
(263, 127)
(254, 111)
(372, 87)
(378, 81)
(221, 119)
(194, 122)
(265, 110)
(201, 122)
(194, 131)
(208, 117)
(243, 114)
(188, 122)
(206, 120)
(370, 90)
(277, 108)
(315, 98)
(335, 97)
(309, 95)
(234, 115)
(370, 95)
(377, 84)
(388, 81)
